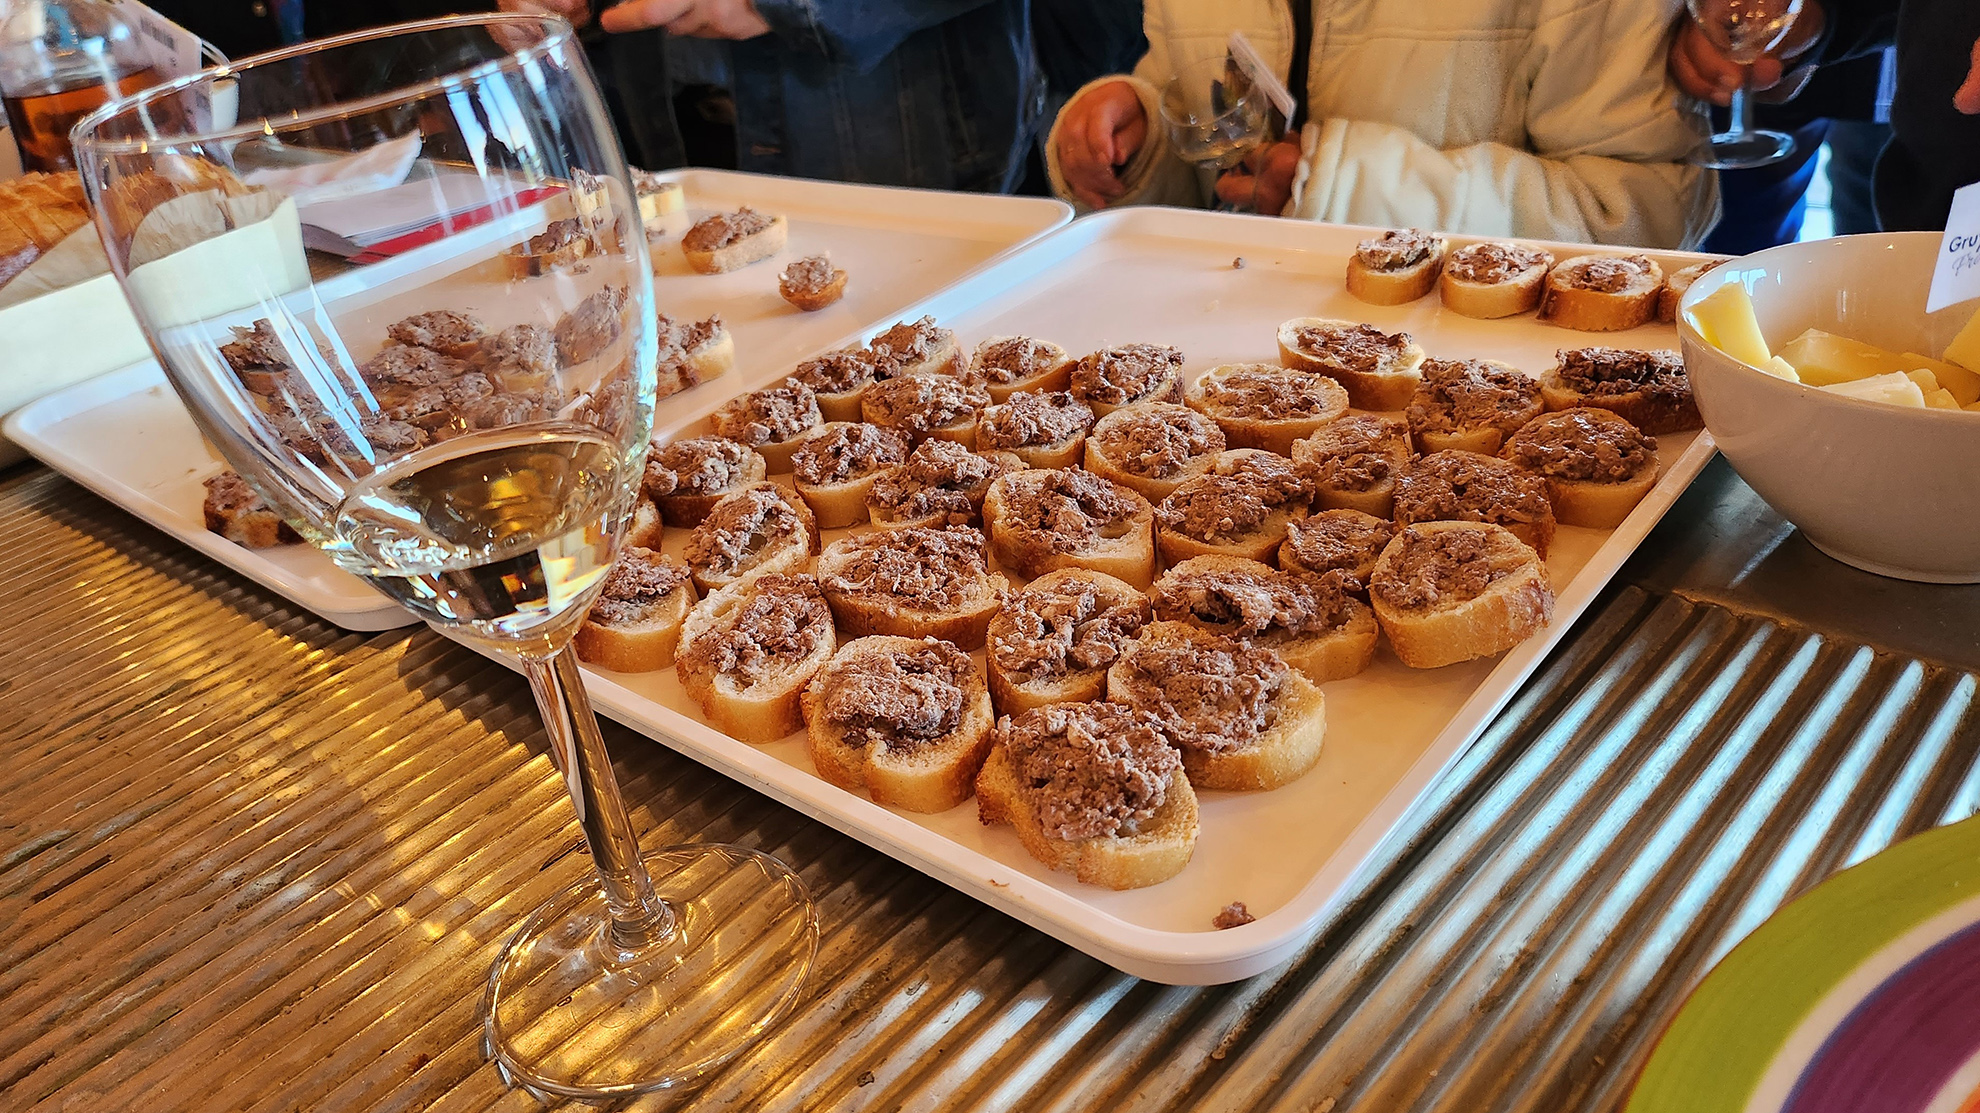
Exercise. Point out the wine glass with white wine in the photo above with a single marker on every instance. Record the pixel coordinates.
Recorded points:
(1745, 30)
(463, 422)
(1216, 116)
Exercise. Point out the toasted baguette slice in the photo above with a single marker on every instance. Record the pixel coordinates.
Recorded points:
(931, 775)
(1279, 755)
(1027, 629)
(1152, 448)
(645, 529)
(1010, 364)
(1127, 375)
(1258, 405)
(773, 421)
(1675, 285)
(1440, 415)
(1044, 429)
(562, 244)
(692, 353)
(1494, 279)
(764, 705)
(1354, 463)
(662, 205)
(1347, 541)
(743, 466)
(1263, 485)
(1650, 389)
(761, 528)
(913, 583)
(1472, 487)
(713, 248)
(926, 407)
(1153, 850)
(1396, 267)
(1567, 448)
(234, 511)
(1214, 593)
(1602, 293)
(1447, 624)
(811, 283)
(836, 465)
(1026, 514)
(1379, 369)
(917, 348)
(636, 624)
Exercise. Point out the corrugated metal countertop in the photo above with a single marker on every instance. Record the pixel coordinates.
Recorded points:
(251, 862)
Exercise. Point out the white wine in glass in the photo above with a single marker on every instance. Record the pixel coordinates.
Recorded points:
(1745, 30)
(464, 423)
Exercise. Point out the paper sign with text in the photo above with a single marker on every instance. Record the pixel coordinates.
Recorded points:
(1956, 278)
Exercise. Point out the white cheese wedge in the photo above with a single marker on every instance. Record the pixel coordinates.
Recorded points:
(1940, 400)
(1780, 368)
(1824, 358)
(1725, 319)
(1893, 389)
(1965, 348)
(1964, 384)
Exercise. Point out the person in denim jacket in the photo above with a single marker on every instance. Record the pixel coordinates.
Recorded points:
(942, 94)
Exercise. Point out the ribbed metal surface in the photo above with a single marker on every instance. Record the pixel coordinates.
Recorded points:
(250, 862)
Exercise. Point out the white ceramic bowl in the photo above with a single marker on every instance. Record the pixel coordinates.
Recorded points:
(1890, 489)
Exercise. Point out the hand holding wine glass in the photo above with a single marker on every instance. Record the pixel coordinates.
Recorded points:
(1744, 31)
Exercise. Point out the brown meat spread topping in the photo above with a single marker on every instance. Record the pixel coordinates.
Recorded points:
(504, 408)
(518, 350)
(1234, 914)
(403, 365)
(443, 330)
(559, 234)
(940, 477)
(700, 466)
(638, 584)
(1395, 249)
(1448, 566)
(592, 326)
(1253, 602)
(1089, 770)
(1338, 540)
(911, 341)
(809, 275)
(1460, 394)
(1363, 349)
(229, 493)
(785, 621)
(1582, 444)
(1263, 393)
(1066, 511)
(1607, 274)
(723, 229)
(1010, 358)
(1233, 499)
(919, 403)
(1129, 373)
(1050, 631)
(840, 372)
(847, 452)
(256, 349)
(1614, 371)
(740, 528)
(1467, 487)
(1489, 264)
(686, 337)
(1158, 442)
(1034, 418)
(898, 698)
(1205, 692)
(767, 416)
(915, 569)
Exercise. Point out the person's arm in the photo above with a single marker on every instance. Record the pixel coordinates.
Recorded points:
(1127, 139)
(1604, 162)
(858, 33)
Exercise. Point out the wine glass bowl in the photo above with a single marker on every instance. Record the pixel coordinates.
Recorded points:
(1745, 30)
(463, 420)
(1215, 116)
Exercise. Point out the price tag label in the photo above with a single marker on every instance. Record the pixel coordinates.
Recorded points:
(173, 50)
(1956, 278)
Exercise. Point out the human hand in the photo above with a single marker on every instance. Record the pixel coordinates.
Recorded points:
(704, 19)
(1703, 70)
(1098, 132)
(1967, 97)
(1265, 182)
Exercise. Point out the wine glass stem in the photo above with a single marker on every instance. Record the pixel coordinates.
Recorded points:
(638, 916)
(1741, 106)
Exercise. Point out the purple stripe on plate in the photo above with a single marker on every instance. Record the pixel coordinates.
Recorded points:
(1899, 1046)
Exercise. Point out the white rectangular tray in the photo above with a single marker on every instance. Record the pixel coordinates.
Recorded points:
(1290, 854)
(126, 436)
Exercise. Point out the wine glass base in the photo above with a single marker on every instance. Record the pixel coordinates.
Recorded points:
(1745, 150)
(569, 1012)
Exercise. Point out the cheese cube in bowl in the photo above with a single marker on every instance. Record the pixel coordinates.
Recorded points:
(1876, 480)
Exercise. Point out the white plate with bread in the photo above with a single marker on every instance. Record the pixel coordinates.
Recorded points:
(1136, 287)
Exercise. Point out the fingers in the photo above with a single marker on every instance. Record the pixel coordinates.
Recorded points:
(1967, 97)
(1275, 178)
(1766, 73)
(1099, 137)
(639, 15)
(1099, 132)
(1701, 70)
(1237, 187)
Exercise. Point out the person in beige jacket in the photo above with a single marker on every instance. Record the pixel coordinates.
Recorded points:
(1546, 119)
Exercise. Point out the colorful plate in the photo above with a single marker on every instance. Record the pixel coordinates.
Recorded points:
(1862, 995)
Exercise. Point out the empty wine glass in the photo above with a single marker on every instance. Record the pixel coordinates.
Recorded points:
(1745, 30)
(1215, 115)
(464, 423)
